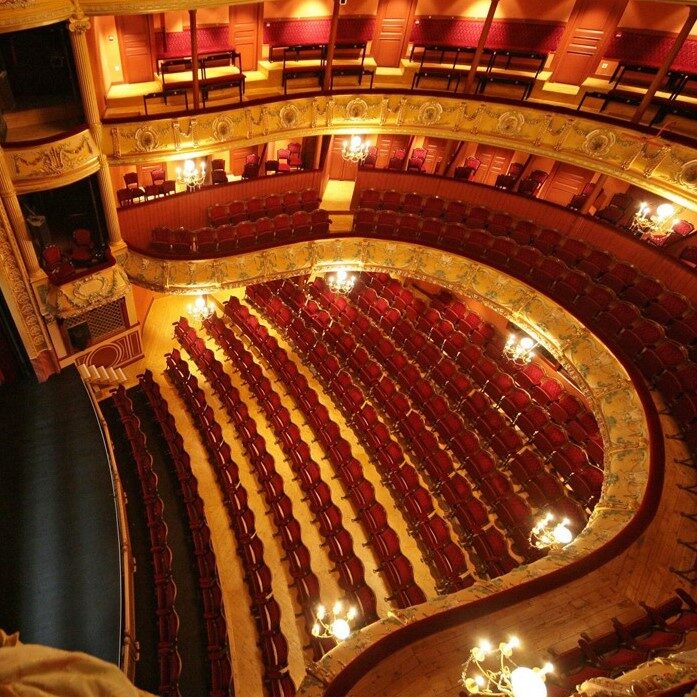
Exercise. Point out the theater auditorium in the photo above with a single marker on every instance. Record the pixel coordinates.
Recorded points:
(349, 347)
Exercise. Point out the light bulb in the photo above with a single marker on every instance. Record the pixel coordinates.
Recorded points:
(338, 606)
(355, 142)
(526, 682)
(526, 343)
(665, 210)
(485, 645)
(562, 534)
(316, 629)
(321, 612)
(200, 303)
(340, 629)
(352, 613)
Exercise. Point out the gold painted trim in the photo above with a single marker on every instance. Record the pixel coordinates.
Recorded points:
(650, 162)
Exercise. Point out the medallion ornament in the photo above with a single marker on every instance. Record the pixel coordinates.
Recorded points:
(598, 143)
(688, 174)
(430, 113)
(356, 109)
(146, 139)
(222, 128)
(289, 115)
(510, 123)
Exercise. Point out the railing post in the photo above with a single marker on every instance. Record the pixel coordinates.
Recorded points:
(469, 84)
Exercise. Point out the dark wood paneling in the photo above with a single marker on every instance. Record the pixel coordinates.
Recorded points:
(394, 18)
(494, 161)
(245, 32)
(134, 44)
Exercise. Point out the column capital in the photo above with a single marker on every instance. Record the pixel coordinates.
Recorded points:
(79, 24)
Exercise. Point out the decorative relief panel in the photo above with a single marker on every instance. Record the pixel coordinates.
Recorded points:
(667, 168)
(52, 164)
(615, 403)
(24, 14)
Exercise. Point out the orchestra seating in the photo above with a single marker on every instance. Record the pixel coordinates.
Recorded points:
(264, 608)
(267, 207)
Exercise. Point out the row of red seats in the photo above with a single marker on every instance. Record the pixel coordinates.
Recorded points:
(307, 472)
(265, 608)
(233, 237)
(526, 466)
(512, 411)
(209, 583)
(657, 631)
(287, 526)
(446, 560)
(165, 588)
(546, 431)
(434, 412)
(266, 207)
(413, 203)
(383, 540)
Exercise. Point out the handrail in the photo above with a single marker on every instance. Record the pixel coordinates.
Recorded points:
(129, 645)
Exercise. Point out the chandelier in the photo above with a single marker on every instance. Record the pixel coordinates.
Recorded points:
(355, 150)
(334, 624)
(491, 672)
(653, 222)
(341, 281)
(200, 309)
(191, 176)
(547, 534)
(519, 350)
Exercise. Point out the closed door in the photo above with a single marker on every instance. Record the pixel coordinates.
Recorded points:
(564, 183)
(386, 145)
(591, 25)
(134, 45)
(394, 19)
(494, 161)
(244, 32)
(238, 157)
(339, 168)
(435, 151)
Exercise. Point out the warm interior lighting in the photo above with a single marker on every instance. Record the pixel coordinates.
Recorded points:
(335, 623)
(648, 220)
(191, 176)
(491, 672)
(548, 534)
(200, 309)
(355, 150)
(520, 349)
(341, 281)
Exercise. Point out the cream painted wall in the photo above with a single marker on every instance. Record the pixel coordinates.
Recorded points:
(109, 55)
(282, 9)
(557, 11)
(660, 16)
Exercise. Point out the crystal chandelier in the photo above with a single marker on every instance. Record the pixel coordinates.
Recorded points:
(191, 176)
(355, 150)
(548, 534)
(491, 672)
(653, 222)
(341, 281)
(519, 350)
(200, 309)
(334, 624)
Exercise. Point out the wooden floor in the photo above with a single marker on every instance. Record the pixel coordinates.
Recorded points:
(60, 574)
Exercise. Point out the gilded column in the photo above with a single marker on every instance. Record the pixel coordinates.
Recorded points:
(78, 25)
(11, 205)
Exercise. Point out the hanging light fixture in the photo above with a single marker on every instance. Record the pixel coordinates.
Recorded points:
(492, 672)
(200, 309)
(548, 533)
(648, 220)
(335, 623)
(355, 150)
(520, 350)
(191, 175)
(341, 281)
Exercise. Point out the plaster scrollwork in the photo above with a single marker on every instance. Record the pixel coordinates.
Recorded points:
(79, 24)
(289, 116)
(14, 4)
(599, 142)
(688, 174)
(146, 139)
(55, 158)
(222, 128)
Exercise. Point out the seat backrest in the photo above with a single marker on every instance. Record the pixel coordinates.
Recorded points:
(418, 153)
(51, 254)
(515, 169)
(473, 162)
(157, 176)
(294, 148)
(218, 176)
(131, 180)
(271, 166)
(539, 176)
(399, 154)
(252, 158)
(217, 164)
(82, 236)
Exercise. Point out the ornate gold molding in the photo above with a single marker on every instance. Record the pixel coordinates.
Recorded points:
(46, 166)
(25, 14)
(653, 163)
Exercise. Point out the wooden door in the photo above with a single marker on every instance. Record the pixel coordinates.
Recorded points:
(245, 21)
(393, 22)
(590, 27)
(435, 151)
(494, 161)
(386, 145)
(134, 45)
(237, 158)
(337, 167)
(565, 181)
